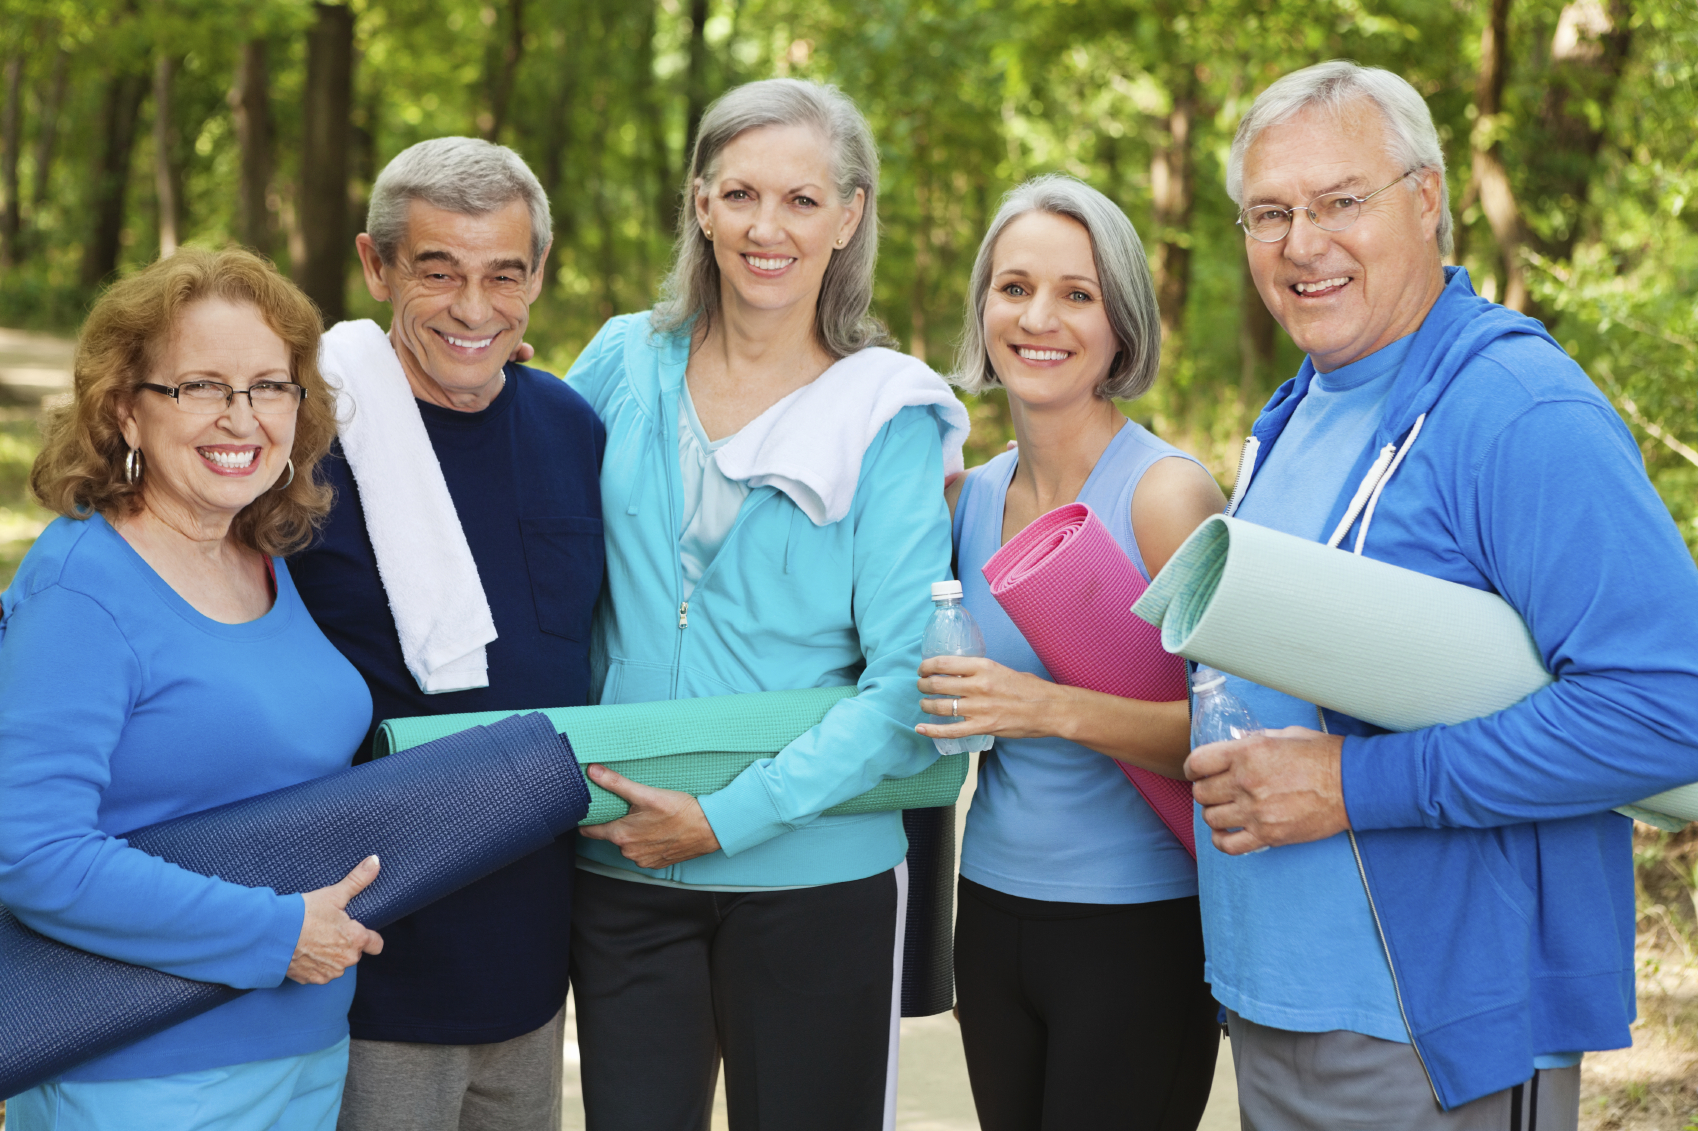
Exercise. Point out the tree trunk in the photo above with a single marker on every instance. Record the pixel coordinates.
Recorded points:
(557, 138)
(654, 118)
(324, 159)
(250, 105)
(11, 136)
(47, 133)
(1588, 54)
(1256, 328)
(167, 173)
(695, 80)
(503, 67)
(1171, 191)
(1491, 179)
(114, 141)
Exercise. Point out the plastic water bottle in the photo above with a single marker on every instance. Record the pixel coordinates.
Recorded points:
(952, 631)
(1218, 715)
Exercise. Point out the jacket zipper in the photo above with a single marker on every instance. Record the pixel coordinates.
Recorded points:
(1246, 468)
(684, 614)
(1385, 947)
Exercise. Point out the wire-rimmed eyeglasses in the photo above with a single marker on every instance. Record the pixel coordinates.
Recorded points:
(1330, 212)
(208, 398)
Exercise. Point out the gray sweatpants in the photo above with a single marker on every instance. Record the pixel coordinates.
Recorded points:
(1343, 1081)
(511, 1085)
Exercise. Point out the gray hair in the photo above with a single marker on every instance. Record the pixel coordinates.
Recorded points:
(459, 174)
(1129, 297)
(1412, 140)
(691, 290)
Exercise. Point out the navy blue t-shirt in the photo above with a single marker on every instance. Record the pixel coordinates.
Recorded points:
(488, 962)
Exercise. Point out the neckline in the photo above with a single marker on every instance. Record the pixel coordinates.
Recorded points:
(454, 417)
(1014, 465)
(1388, 359)
(273, 621)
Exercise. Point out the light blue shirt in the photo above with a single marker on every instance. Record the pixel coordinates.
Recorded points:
(711, 500)
(1051, 819)
(1290, 938)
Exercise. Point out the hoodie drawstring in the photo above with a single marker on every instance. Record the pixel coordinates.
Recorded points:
(1367, 495)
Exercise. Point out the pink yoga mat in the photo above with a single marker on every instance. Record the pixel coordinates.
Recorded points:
(1069, 588)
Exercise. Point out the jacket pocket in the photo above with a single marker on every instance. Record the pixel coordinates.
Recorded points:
(564, 556)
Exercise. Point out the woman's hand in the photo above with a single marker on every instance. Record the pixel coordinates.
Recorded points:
(993, 699)
(664, 826)
(331, 942)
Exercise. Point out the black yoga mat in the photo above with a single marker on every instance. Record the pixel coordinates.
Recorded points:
(440, 816)
(928, 942)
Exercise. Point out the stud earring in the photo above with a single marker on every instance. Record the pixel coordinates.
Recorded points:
(708, 232)
(840, 243)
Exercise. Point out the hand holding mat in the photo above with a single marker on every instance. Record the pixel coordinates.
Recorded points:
(449, 813)
(1068, 587)
(1368, 639)
(695, 746)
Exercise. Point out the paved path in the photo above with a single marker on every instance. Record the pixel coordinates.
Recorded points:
(33, 366)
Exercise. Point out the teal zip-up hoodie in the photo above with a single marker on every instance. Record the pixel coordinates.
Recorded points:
(784, 604)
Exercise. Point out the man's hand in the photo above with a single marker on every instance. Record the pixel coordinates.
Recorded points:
(664, 827)
(1279, 787)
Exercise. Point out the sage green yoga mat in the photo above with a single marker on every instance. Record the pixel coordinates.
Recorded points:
(1365, 638)
(696, 746)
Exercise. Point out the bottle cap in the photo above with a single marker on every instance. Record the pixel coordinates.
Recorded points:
(1205, 678)
(945, 589)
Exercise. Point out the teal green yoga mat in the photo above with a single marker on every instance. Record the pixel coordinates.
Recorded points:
(696, 746)
(1371, 640)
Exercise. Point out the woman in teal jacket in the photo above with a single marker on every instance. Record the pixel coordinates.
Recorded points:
(772, 491)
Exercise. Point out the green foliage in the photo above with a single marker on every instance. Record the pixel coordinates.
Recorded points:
(967, 98)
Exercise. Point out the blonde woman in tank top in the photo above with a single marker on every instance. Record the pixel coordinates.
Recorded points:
(1079, 949)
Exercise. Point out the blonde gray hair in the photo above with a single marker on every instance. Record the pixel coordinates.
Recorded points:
(1129, 297)
(457, 174)
(1412, 141)
(690, 294)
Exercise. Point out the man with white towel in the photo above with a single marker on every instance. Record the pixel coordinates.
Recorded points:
(1442, 921)
(458, 572)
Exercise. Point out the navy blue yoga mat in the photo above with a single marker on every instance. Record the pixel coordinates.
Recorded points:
(440, 816)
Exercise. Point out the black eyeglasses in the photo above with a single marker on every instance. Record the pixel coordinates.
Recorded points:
(208, 398)
(1330, 212)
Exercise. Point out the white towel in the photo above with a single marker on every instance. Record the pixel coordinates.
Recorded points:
(810, 444)
(428, 572)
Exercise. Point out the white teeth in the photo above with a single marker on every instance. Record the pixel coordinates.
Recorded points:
(1305, 288)
(1040, 355)
(467, 343)
(769, 264)
(231, 460)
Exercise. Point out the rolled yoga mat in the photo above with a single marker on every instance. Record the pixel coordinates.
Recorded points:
(696, 746)
(450, 812)
(1365, 638)
(1068, 587)
(928, 937)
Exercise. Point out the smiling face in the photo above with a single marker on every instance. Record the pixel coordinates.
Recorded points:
(461, 289)
(1046, 329)
(1343, 295)
(207, 468)
(772, 212)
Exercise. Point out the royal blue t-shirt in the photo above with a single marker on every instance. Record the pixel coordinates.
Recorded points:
(488, 962)
(1289, 936)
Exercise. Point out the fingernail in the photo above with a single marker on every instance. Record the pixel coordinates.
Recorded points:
(373, 858)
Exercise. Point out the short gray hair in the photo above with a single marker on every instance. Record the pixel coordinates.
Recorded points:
(1129, 297)
(459, 174)
(691, 290)
(1412, 140)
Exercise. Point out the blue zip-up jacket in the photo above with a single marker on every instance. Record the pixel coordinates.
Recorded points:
(1501, 882)
(784, 604)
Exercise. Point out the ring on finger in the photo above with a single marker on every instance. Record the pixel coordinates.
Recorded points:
(956, 709)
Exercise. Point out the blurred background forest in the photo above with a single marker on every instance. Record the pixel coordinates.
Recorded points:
(131, 127)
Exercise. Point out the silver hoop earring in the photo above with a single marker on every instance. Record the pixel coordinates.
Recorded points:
(133, 466)
(283, 486)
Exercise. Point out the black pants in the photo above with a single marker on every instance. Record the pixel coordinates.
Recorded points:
(1081, 1015)
(792, 988)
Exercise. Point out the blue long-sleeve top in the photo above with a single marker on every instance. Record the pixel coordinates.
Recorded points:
(122, 706)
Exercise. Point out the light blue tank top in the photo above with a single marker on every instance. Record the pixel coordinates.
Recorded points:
(1051, 819)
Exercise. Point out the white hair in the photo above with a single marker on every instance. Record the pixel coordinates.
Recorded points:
(1129, 297)
(1412, 140)
(458, 174)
